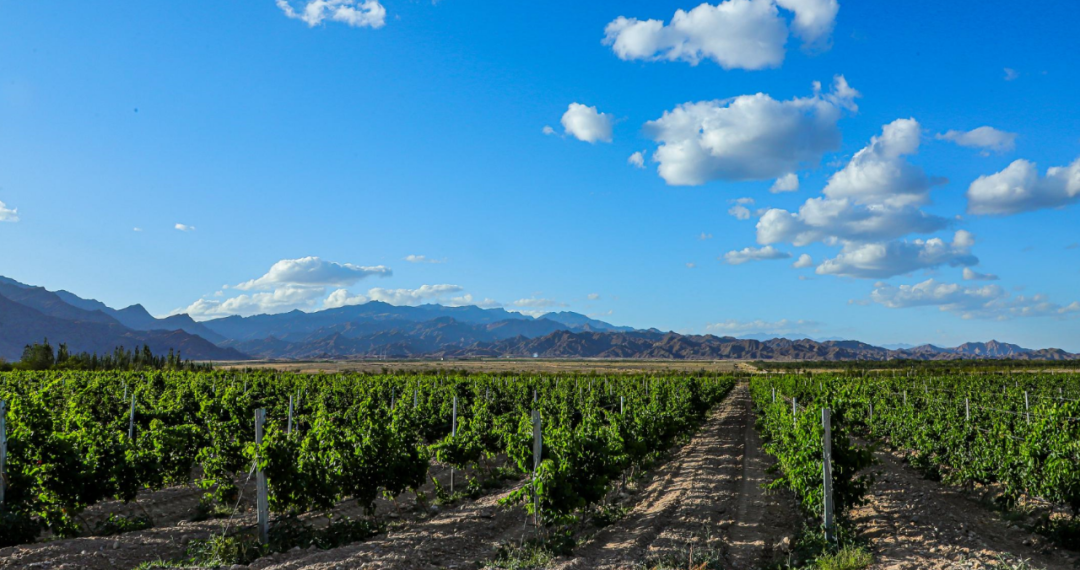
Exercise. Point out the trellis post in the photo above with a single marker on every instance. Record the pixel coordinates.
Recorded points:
(3, 449)
(131, 418)
(288, 429)
(827, 473)
(262, 499)
(537, 453)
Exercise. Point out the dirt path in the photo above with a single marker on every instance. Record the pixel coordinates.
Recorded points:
(915, 523)
(708, 497)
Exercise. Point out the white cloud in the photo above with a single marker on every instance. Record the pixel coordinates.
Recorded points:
(740, 212)
(691, 265)
(548, 130)
(786, 183)
(1011, 74)
(279, 300)
(814, 19)
(537, 303)
(637, 160)
(184, 227)
(972, 275)
(137, 229)
(876, 196)
(750, 137)
(412, 296)
(8, 214)
(982, 302)
(342, 298)
(987, 138)
(733, 327)
(1018, 188)
(423, 259)
(804, 261)
(594, 296)
(468, 300)
(355, 13)
(704, 236)
(882, 260)
(586, 123)
(736, 34)
(754, 254)
(313, 272)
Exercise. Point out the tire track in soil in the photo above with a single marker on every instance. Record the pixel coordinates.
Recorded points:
(912, 522)
(708, 496)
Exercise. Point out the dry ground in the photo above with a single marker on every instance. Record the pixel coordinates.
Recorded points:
(914, 523)
(524, 366)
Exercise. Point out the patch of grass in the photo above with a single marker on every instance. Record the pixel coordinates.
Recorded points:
(118, 524)
(696, 559)
(847, 558)
(209, 509)
(606, 515)
(531, 554)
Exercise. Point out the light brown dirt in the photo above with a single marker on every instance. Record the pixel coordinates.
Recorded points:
(707, 498)
(913, 523)
(509, 365)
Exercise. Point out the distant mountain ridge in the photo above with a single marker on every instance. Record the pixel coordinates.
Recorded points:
(380, 330)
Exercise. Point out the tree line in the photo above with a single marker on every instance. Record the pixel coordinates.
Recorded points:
(42, 356)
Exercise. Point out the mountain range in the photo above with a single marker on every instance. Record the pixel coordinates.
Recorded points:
(29, 314)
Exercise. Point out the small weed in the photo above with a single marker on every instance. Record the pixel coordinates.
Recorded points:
(209, 509)
(847, 558)
(606, 515)
(119, 524)
(693, 559)
(536, 553)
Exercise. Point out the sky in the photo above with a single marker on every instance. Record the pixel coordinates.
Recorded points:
(894, 172)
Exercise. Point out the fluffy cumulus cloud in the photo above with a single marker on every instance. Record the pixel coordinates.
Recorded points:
(313, 272)
(290, 284)
(1019, 188)
(866, 207)
(739, 211)
(882, 260)
(637, 160)
(746, 254)
(586, 123)
(8, 214)
(184, 227)
(280, 300)
(750, 137)
(804, 261)
(736, 34)
(986, 138)
(355, 13)
(972, 275)
(786, 183)
(970, 302)
(733, 327)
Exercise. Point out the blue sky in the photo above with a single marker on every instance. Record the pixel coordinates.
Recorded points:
(369, 132)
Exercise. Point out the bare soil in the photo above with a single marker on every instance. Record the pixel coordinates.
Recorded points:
(509, 365)
(913, 522)
(708, 499)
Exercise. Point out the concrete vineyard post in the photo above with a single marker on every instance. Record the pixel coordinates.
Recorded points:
(774, 394)
(794, 411)
(827, 473)
(537, 452)
(1027, 408)
(871, 412)
(967, 409)
(131, 418)
(415, 401)
(622, 405)
(453, 433)
(288, 429)
(262, 498)
(3, 449)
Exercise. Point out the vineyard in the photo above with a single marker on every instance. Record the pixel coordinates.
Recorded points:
(562, 453)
